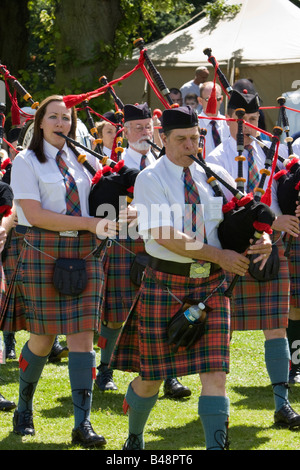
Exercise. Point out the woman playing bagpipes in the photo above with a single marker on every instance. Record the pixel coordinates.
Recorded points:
(261, 305)
(182, 270)
(57, 285)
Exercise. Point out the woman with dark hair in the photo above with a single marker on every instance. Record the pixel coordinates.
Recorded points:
(51, 191)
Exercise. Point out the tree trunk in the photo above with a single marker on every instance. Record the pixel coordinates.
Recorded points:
(13, 34)
(85, 28)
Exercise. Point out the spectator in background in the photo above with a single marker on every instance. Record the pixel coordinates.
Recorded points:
(176, 95)
(193, 86)
(191, 99)
(217, 130)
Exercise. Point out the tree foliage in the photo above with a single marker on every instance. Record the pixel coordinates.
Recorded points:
(71, 44)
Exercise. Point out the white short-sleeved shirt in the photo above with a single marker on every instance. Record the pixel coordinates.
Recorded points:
(222, 128)
(161, 186)
(225, 155)
(44, 182)
(189, 87)
(132, 158)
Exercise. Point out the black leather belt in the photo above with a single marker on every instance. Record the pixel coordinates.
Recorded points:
(179, 269)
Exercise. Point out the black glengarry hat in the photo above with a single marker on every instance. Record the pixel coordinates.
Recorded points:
(248, 101)
(133, 112)
(182, 117)
(110, 115)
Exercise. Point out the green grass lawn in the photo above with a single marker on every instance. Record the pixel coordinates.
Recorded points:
(173, 425)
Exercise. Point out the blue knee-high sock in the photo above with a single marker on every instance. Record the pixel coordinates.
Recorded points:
(108, 341)
(214, 415)
(81, 373)
(139, 410)
(277, 357)
(31, 368)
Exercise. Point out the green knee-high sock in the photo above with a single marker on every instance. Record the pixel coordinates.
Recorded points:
(31, 367)
(277, 357)
(107, 342)
(214, 415)
(81, 373)
(293, 335)
(139, 410)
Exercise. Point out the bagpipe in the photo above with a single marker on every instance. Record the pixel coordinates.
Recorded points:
(245, 217)
(112, 182)
(288, 179)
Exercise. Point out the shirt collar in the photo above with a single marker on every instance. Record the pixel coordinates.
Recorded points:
(177, 170)
(51, 151)
(137, 155)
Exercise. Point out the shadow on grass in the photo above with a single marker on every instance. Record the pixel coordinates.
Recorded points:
(191, 436)
(260, 398)
(15, 442)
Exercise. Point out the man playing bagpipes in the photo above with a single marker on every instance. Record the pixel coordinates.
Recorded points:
(261, 305)
(120, 291)
(182, 271)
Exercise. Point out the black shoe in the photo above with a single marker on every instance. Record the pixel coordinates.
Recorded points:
(294, 376)
(85, 436)
(132, 443)
(9, 341)
(6, 405)
(23, 423)
(104, 379)
(174, 389)
(57, 352)
(287, 417)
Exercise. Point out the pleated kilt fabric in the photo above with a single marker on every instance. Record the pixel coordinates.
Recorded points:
(9, 265)
(294, 269)
(119, 291)
(262, 305)
(35, 305)
(142, 346)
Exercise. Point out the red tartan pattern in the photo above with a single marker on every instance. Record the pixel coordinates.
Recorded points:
(262, 305)
(142, 346)
(35, 305)
(119, 291)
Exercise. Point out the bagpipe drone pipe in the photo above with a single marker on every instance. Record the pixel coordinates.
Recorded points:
(288, 179)
(245, 217)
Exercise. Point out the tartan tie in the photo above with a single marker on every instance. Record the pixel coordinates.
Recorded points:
(253, 174)
(192, 198)
(143, 162)
(215, 133)
(72, 197)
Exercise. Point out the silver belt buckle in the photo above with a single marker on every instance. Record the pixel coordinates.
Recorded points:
(198, 270)
(69, 233)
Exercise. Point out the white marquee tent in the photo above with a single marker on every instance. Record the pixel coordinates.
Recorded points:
(261, 42)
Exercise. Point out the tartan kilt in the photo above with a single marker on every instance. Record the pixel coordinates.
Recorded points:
(119, 291)
(9, 264)
(294, 268)
(142, 346)
(262, 305)
(34, 304)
